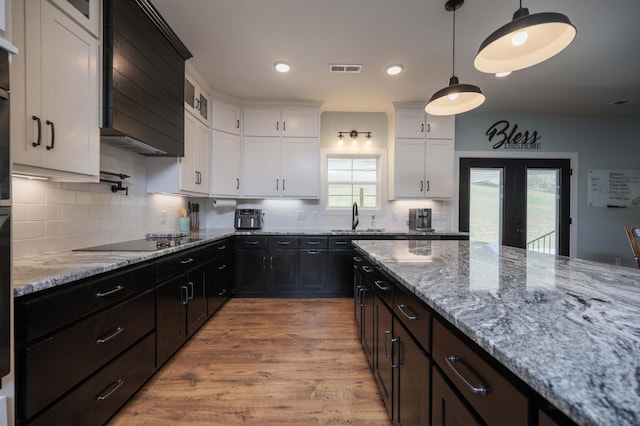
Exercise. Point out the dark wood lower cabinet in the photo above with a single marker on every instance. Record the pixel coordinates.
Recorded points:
(171, 324)
(382, 359)
(196, 298)
(447, 408)
(412, 398)
(314, 272)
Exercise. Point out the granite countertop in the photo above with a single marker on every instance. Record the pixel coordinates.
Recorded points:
(568, 328)
(35, 273)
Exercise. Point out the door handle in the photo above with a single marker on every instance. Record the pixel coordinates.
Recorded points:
(53, 135)
(39, 122)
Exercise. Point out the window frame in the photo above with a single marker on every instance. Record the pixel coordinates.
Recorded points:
(381, 185)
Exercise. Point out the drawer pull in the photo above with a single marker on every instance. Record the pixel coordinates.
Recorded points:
(221, 293)
(314, 243)
(252, 243)
(341, 243)
(189, 260)
(110, 390)
(367, 269)
(221, 267)
(402, 308)
(313, 252)
(357, 259)
(482, 389)
(222, 248)
(381, 286)
(110, 292)
(110, 336)
(283, 243)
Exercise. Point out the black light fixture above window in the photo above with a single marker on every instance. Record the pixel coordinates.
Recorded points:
(353, 134)
(525, 41)
(456, 98)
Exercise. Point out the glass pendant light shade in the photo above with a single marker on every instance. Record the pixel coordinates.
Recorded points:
(525, 41)
(456, 98)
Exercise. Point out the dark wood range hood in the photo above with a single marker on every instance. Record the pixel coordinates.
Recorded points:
(143, 80)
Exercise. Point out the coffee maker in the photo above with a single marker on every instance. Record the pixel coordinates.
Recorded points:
(420, 220)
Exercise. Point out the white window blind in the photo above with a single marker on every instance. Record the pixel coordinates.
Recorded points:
(352, 179)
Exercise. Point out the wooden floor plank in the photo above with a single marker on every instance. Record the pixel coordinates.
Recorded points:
(265, 362)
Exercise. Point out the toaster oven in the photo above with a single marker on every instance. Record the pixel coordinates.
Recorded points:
(248, 219)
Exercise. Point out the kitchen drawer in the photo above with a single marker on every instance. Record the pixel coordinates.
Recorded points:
(176, 264)
(102, 395)
(384, 288)
(502, 403)
(222, 267)
(340, 243)
(58, 363)
(251, 242)
(221, 248)
(50, 310)
(314, 243)
(284, 242)
(414, 316)
(447, 407)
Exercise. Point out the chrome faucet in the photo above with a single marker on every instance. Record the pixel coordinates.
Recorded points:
(354, 216)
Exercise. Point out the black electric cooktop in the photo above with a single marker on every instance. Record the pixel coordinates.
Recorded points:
(151, 243)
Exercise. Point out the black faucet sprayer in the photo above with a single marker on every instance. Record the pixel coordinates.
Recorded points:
(354, 216)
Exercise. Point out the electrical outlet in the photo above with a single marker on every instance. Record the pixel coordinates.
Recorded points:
(301, 215)
(163, 216)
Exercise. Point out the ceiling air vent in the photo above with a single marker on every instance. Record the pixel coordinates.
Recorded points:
(345, 68)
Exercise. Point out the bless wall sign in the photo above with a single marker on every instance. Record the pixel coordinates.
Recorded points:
(504, 136)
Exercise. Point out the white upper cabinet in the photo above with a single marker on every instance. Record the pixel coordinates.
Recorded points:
(225, 164)
(225, 117)
(281, 152)
(293, 122)
(61, 136)
(196, 100)
(84, 12)
(421, 159)
(416, 124)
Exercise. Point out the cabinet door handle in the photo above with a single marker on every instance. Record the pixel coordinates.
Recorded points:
(189, 260)
(184, 294)
(106, 393)
(277, 184)
(237, 124)
(387, 353)
(381, 286)
(283, 243)
(421, 127)
(53, 135)
(367, 269)
(284, 126)
(221, 267)
(277, 125)
(283, 184)
(428, 186)
(398, 365)
(264, 260)
(39, 122)
(341, 243)
(421, 185)
(402, 308)
(237, 183)
(190, 284)
(271, 262)
(110, 292)
(222, 292)
(429, 128)
(110, 335)
(252, 242)
(482, 389)
(363, 294)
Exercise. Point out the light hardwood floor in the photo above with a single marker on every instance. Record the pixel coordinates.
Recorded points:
(265, 362)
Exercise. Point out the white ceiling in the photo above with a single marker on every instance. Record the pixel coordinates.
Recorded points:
(236, 42)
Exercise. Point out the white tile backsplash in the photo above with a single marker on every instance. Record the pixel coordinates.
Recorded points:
(53, 216)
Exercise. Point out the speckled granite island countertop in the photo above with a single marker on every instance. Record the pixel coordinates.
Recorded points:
(570, 329)
(40, 272)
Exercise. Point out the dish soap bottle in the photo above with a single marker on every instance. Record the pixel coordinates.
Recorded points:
(373, 222)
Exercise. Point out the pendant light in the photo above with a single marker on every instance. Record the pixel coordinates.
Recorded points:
(456, 98)
(525, 41)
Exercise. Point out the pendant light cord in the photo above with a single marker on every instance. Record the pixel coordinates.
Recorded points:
(453, 65)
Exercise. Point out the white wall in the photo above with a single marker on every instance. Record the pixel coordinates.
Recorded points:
(600, 143)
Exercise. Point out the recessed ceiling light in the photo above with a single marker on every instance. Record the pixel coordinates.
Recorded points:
(503, 74)
(282, 66)
(395, 69)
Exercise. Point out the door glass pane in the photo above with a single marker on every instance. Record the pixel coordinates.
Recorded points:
(81, 5)
(485, 205)
(542, 210)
